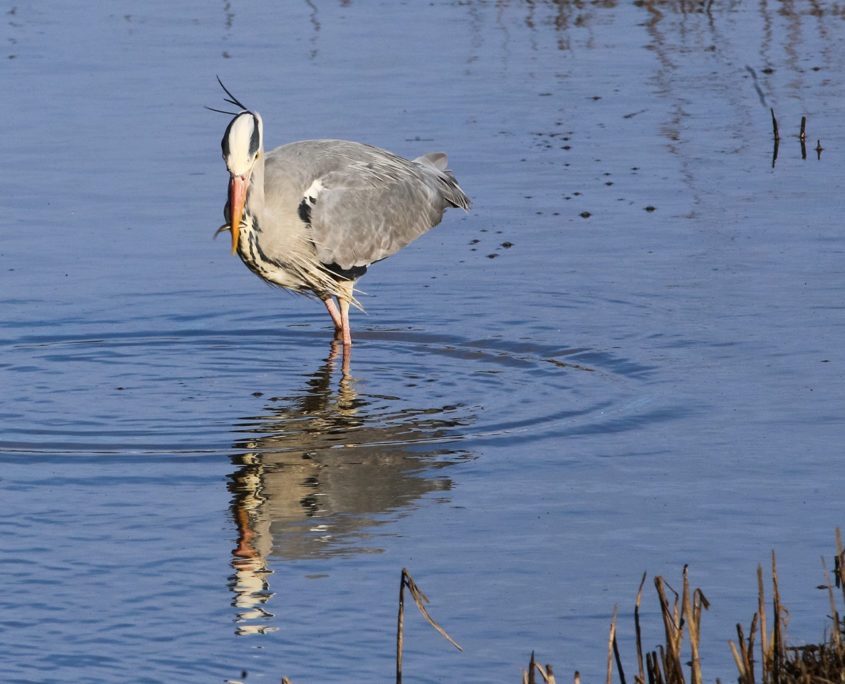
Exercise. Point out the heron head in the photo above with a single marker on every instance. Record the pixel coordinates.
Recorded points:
(242, 146)
(242, 142)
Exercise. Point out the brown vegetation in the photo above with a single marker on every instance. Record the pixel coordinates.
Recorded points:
(775, 662)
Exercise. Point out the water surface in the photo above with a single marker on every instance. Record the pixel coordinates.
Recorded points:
(627, 357)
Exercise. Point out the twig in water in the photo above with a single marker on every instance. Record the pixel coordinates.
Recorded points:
(419, 597)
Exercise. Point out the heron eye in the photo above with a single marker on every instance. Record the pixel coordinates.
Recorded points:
(257, 154)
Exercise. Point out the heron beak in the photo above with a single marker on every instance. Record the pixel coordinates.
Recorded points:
(237, 197)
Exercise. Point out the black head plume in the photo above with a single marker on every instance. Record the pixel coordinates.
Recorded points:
(231, 100)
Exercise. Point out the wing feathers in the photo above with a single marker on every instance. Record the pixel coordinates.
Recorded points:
(362, 204)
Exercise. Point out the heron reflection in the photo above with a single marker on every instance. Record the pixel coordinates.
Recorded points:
(318, 472)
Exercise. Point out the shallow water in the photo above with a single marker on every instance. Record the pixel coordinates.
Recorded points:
(625, 358)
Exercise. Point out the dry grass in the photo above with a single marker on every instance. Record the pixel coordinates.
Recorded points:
(763, 657)
(780, 663)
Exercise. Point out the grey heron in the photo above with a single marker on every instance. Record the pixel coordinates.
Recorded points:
(312, 216)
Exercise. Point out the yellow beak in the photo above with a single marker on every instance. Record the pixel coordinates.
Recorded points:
(237, 197)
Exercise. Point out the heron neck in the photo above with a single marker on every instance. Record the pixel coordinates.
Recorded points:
(255, 191)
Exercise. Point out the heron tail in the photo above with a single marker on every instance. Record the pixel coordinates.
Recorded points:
(435, 163)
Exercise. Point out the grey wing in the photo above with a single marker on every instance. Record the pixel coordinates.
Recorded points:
(366, 212)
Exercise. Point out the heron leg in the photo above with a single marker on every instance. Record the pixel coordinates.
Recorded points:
(334, 313)
(344, 299)
(344, 316)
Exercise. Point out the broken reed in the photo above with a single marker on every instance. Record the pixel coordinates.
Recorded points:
(419, 597)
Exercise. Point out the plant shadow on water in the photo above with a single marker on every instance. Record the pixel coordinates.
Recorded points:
(318, 469)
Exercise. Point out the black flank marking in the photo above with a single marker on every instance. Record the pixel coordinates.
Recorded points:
(254, 141)
(346, 273)
(304, 212)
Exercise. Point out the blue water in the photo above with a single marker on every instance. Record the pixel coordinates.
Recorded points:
(627, 357)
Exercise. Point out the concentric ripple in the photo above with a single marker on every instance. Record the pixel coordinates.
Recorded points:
(195, 392)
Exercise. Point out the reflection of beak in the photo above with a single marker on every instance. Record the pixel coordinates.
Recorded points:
(237, 197)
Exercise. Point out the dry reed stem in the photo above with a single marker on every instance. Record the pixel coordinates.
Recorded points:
(740, 662)
(641, 677)
(692, 615)
(744, 657)
(673, 626)
(778, 626)
(764, 637)
(839, 566)
(610, 647)
(834, 636)
(750, 649)
(658, 672)
(618, 659)
(400, 621)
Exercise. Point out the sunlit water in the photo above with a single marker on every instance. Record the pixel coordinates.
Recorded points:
(627, 357)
